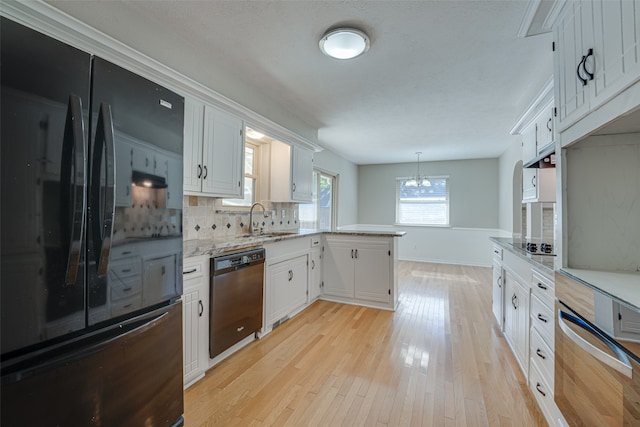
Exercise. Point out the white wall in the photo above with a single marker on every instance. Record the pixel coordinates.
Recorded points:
(506, 165)
(347, 173)
(473, 210)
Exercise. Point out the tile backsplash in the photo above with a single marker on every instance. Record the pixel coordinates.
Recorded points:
(207, 218)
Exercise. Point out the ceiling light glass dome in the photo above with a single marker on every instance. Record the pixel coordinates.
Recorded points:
(344, 43)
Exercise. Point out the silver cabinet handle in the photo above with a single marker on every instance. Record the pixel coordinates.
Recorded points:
(620, 364)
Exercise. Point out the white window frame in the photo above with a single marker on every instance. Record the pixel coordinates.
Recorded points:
(447, 203)
(257, 153)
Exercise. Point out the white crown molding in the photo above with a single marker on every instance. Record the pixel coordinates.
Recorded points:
(540, 100)
(528, 17)
(53, 22)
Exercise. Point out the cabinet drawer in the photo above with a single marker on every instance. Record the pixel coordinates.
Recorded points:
(542, 319)
(125, 288)
(126, 305)
(122, 269)
(542, 288)
(315, 241)
(543, 394)
(542, 356)
(192, 270)
(497, 253)
(124, 251)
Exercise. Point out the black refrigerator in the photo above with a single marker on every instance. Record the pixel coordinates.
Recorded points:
(91, 231)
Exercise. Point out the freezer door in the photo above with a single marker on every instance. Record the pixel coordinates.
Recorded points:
(44, 113)
(130, 379)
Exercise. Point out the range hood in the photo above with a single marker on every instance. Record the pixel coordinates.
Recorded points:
(142, 179)
(546, 158)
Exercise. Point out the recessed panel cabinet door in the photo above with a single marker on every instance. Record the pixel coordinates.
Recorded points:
(372, 270)
(498, 296)
(338, 268)
(193, 128)
(223, 154)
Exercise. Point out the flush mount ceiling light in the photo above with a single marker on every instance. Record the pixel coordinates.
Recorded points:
(253, 134)
(344, 43)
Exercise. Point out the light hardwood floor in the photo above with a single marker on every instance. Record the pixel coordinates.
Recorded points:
(438, 360)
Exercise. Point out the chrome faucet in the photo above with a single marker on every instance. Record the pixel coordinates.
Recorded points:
(252, 229)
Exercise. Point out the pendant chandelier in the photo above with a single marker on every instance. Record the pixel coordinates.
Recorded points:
(418, 180)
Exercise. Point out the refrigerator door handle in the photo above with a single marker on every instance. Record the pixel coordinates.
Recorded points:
(74, 180)
(103, 203)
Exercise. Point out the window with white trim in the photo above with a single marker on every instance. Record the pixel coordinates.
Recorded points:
(251, 156)
(422, 202)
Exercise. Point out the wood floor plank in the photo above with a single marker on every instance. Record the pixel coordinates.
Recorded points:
(438, 360)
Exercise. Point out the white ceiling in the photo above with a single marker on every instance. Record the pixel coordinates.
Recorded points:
(448, 78)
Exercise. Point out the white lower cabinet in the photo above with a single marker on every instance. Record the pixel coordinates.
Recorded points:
(286, 280)
(287, 285)
(529, 322)
(195, 300)
(315, 272)
(358, 269)
(516, 319)
(497, 299)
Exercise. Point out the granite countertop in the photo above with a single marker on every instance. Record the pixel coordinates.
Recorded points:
(546, 263)
(214, 247)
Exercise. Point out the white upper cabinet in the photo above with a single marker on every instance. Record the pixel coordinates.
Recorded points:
(213, 151)
(291, 173)
(539, 185)
(222, 153)
(193, 130)
(596, 56)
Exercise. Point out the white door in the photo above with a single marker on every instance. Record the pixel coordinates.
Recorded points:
(372, 270)
(338, 267)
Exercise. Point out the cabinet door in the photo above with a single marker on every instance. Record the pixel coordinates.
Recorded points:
(516, 319)
(144, 159)
(193, 134)
(315, 273)
(616, 47)
(498, 296)
(338, 268)
(529, 137)
(193, 310)
(570, 94)
(223, 154)
(286, 288)
(302, 175)
(372, 270)
(545, 134)
(529, 185)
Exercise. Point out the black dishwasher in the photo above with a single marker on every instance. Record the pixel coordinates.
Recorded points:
(236, 284)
